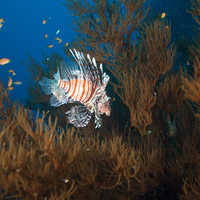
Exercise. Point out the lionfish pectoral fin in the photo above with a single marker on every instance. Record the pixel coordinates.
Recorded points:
(98, 120)
(49, 85)
(79, 116)
(60, 97)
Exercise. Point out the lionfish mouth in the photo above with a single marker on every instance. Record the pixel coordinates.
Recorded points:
(108, 113)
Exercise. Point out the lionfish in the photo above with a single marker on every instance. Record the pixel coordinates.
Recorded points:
(81, 81)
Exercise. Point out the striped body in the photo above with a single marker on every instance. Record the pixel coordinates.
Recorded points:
(81, 81)
(79, 90)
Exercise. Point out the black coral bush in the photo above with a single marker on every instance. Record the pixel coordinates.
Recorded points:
(147, 149)
(40, 161)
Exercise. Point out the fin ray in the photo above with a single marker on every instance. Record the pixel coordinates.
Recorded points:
(49, 85)
(79, 116)
(91, 71)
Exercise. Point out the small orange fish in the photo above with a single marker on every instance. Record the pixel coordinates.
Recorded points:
(97, 20)
(17, 83)
(66, 44)
(4, 61)
(163, 15)
(1, 21)
(167, 27)
(46, 36)
(9, 82)
(44, 21)
(10, 88)
(11, 71)
(50, 46)
(59, 40)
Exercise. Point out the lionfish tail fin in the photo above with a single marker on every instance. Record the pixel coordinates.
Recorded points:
(79, 116)
(49, 85)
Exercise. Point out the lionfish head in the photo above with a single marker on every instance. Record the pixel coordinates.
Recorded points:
(104, 106)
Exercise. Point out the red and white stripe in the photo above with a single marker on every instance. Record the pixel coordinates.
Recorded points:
(79, 89)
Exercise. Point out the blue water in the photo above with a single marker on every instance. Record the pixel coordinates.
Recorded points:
(23, 31)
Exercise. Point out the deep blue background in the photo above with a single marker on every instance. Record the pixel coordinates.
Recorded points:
(23, 31)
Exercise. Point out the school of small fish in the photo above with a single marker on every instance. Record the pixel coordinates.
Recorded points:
(81, 81)
(10, 82)
(4, 61)
(44, 21)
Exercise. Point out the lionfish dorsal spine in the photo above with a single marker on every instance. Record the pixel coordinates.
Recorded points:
(101, 67)
(94, 62)
(88, 57)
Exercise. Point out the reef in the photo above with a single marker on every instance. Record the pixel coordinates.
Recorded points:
(147, 149)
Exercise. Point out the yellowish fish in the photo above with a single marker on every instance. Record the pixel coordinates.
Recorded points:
(1, 21)
(11, 71)
(17, 83)
(59, 40)
(4, 61)
(46, 36)
(9, 81)
(50, 46)
(66, 44)
(97, 20)
(10, 88)
(163, 15)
